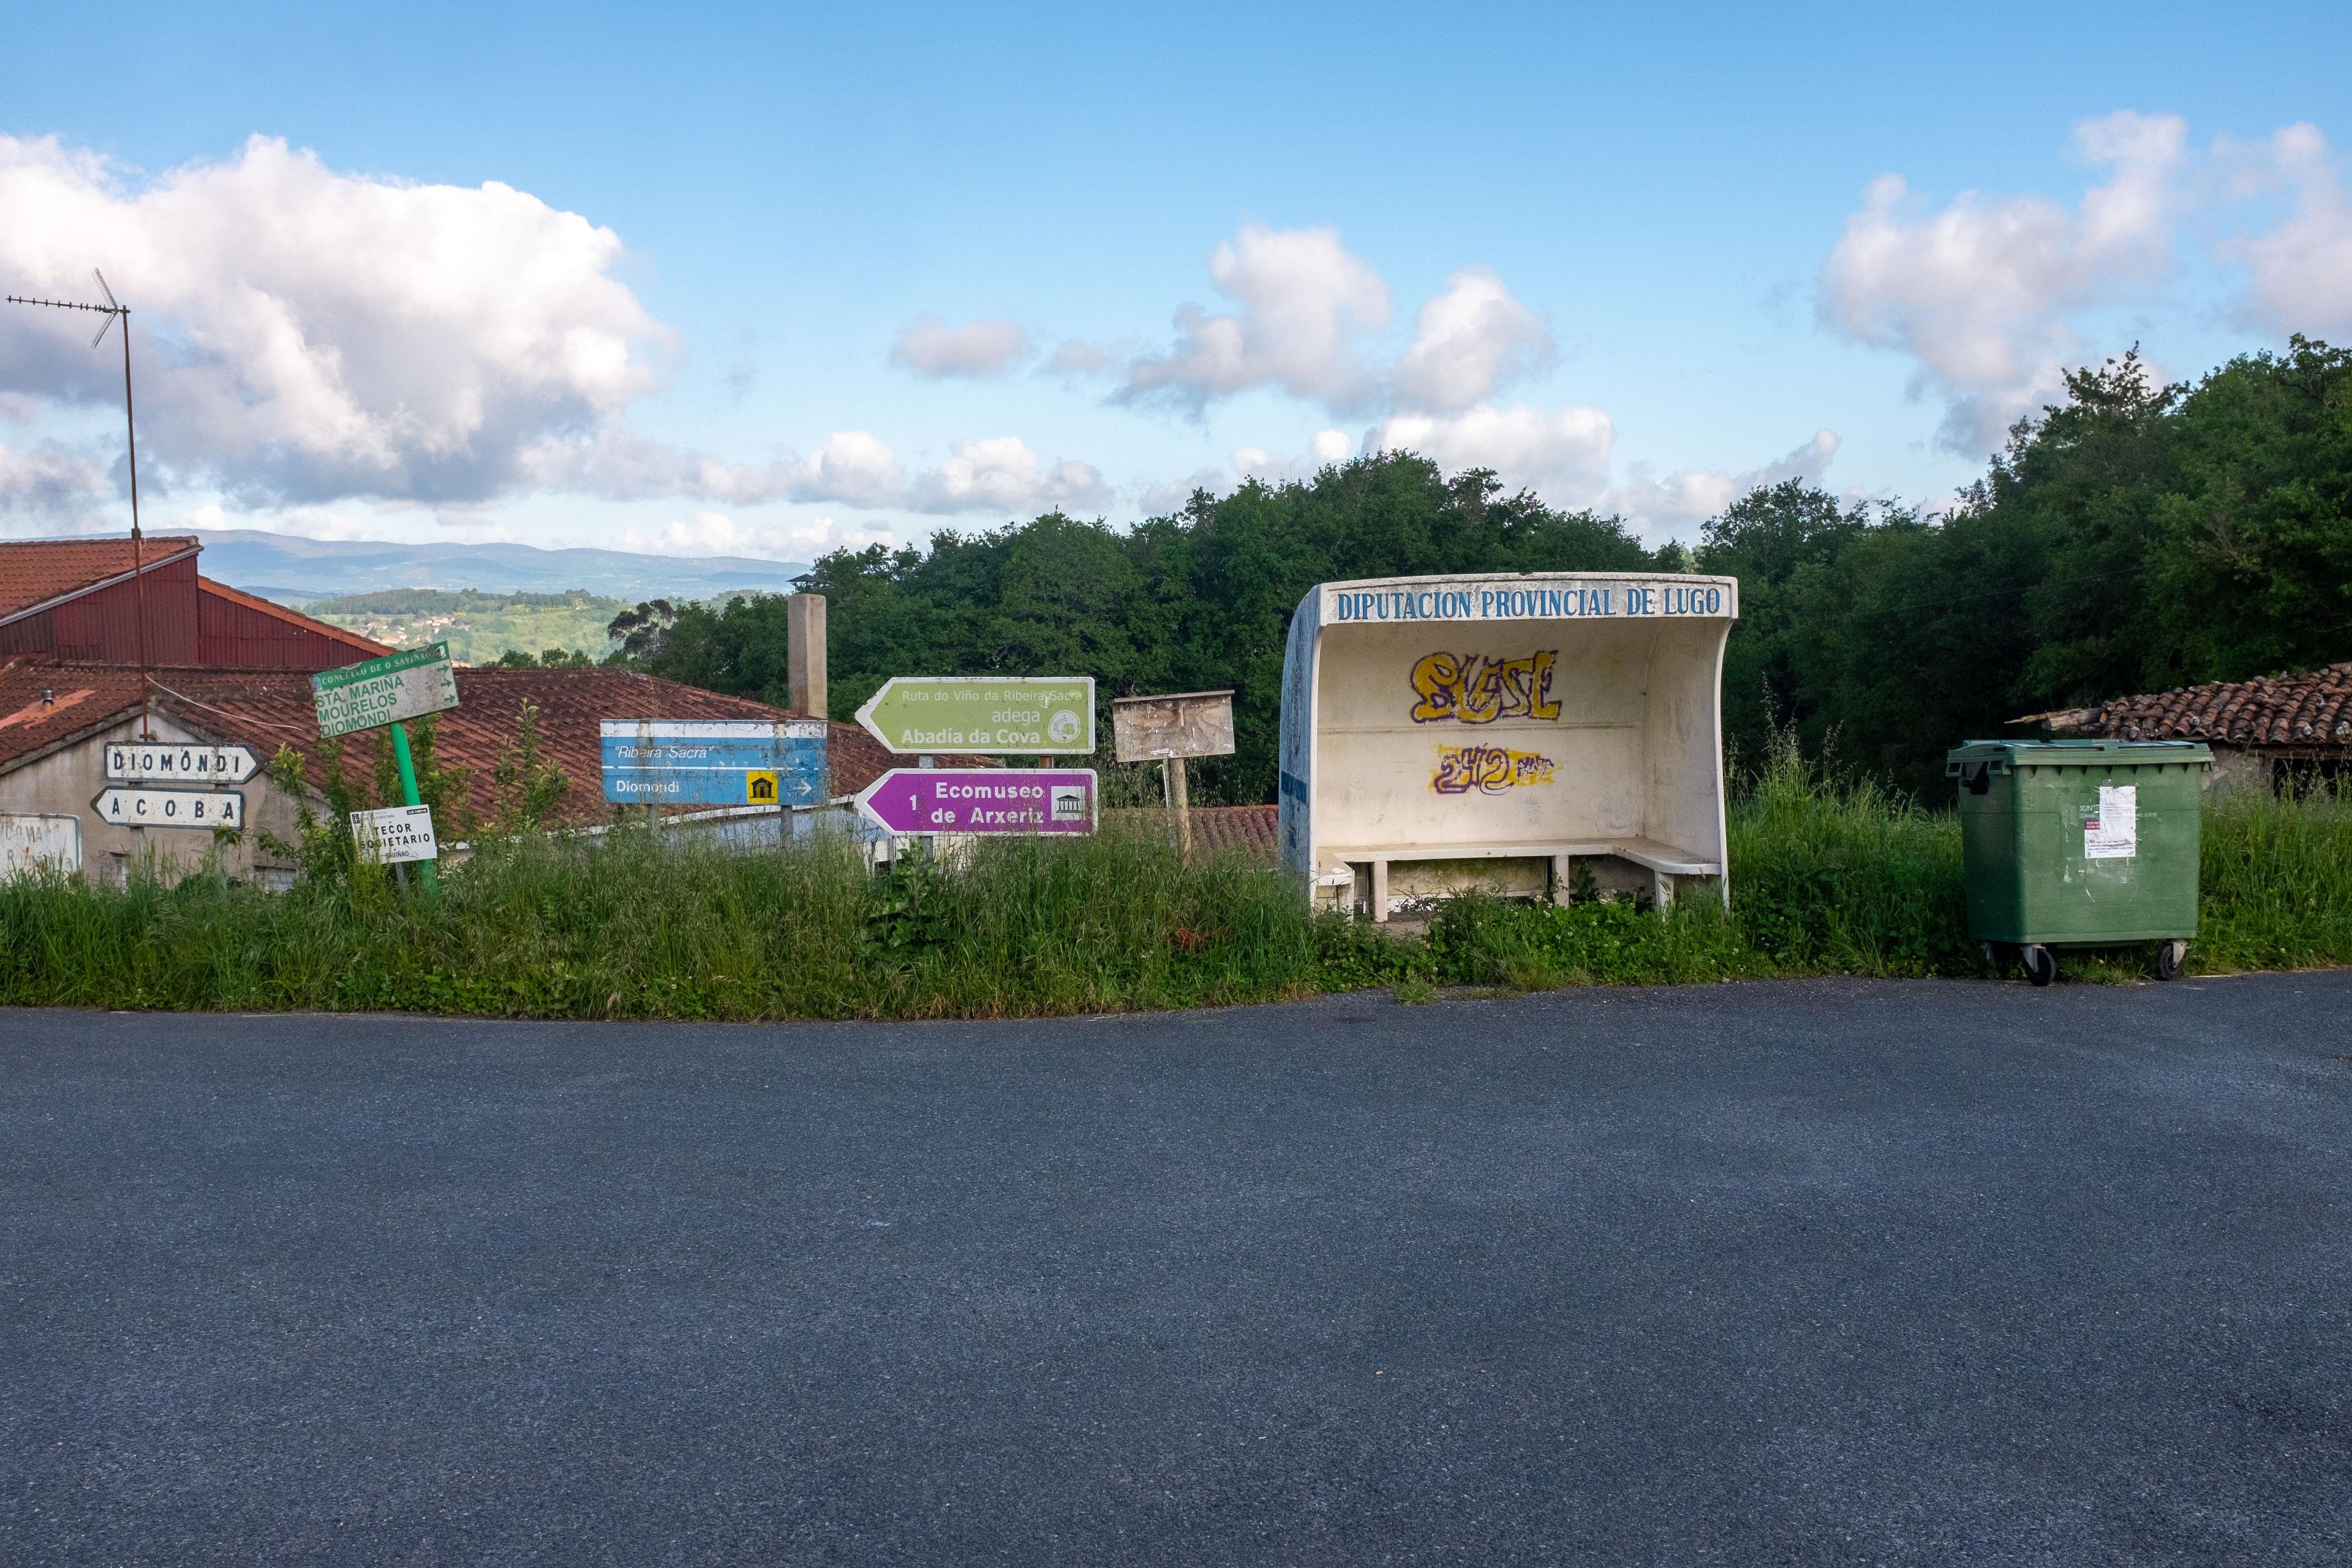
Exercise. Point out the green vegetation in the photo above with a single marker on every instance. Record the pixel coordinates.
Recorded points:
(2138, 538)
(479, 627)
(1828, 879)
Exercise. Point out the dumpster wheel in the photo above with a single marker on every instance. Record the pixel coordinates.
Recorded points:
(2170, 959)
(2040, 963)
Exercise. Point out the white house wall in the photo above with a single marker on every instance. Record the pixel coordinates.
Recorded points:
(66, 781)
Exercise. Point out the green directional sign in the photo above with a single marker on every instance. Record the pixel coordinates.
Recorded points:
(384, 691)
(1027, 715)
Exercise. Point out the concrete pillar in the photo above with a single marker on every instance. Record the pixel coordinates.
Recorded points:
(805, 653)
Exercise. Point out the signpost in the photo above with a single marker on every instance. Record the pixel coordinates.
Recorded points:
(982, 799)
(393, 835)
(1168, 729)
(1038, 716)
(147, 762)
(133, 807)
(385, 691)
(715, 762)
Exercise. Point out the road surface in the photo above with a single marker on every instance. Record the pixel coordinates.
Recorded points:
(1814, 1273)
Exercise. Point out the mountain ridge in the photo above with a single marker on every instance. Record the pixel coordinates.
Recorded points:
(293, 570)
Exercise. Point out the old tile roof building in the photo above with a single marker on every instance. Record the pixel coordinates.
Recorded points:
(56, 718)
(2254, 727)
(84, 600)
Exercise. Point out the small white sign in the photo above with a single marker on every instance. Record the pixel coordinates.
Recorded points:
(170, 808)
(151, 761)
(394, 835)
(2114, 834)
(33, 842)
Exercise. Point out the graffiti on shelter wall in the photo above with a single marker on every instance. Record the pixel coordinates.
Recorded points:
(1477, 688)
(1488, 769)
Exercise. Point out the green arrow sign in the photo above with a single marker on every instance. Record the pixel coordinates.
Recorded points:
(384, 691)
(1028, 715)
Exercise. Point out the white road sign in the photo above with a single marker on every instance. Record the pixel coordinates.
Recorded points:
(170, 808)
(394, 835)
(147, 762)
(35, 841)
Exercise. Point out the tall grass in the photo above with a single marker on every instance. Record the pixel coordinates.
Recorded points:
(1827, 879)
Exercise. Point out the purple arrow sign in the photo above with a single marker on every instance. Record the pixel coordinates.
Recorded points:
(982, 799)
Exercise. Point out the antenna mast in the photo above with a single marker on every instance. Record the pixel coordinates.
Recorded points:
(112, 309)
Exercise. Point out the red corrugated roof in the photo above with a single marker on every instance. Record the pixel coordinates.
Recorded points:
(36, 571)
(365, 647)
(2310, 710)
(263, 709)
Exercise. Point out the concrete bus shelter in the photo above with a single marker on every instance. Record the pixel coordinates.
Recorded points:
(1515, 733)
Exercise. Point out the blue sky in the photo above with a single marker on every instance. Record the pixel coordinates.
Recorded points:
(1627, 255)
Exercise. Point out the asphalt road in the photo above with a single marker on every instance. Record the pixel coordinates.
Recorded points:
(1789, 1273)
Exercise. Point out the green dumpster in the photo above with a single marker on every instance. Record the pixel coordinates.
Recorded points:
(2080, 844)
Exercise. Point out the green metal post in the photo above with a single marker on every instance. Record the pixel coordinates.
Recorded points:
(408, 788)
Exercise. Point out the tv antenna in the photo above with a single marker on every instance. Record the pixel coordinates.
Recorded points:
(112, 309)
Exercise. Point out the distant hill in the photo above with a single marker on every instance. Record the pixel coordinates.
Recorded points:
(294, 571)
(477, 627)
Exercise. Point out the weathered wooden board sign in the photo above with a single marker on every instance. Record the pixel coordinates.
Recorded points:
(1184, 724)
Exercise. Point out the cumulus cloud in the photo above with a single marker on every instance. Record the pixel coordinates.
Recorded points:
(1328, 447)
(46, 483)
(1979, 293)
(1693, 495)
(976, 349)
(1003, 475)
(707, 533)
(1467, 342)
(1562, 453)
(1304, 302)
(2301, 270)
(328, 334)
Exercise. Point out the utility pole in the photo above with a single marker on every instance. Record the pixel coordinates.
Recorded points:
(112, 309)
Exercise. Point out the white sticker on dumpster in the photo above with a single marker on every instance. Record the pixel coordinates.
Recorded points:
(2114, 834)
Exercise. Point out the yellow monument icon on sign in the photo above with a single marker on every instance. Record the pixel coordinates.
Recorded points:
(760, 788)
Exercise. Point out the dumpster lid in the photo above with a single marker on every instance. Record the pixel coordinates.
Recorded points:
(2076, 754)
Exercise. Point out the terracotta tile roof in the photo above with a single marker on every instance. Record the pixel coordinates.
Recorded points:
(365, 647)
(263, 709)
(2310, 710)
(36, 572)
(1216, 829)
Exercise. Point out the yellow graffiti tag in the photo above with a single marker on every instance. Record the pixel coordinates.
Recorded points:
(1478, 689)
(1489, 770)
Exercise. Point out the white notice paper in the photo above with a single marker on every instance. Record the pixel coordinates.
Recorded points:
(2114, 834)
(394, 835)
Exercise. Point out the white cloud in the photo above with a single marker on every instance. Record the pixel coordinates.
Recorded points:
(982, 348)
(1171, 496)
(46, 483)
(1562, 453)
(1468, 342)
(330, 335)
(1693, 495)
(1077, 359)
(2301, 268)
(1000, 473)
(16, 408)
(1304, 300)
(1979, 293)
(1328, 447)
(708, 533)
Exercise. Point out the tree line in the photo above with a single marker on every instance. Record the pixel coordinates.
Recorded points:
(2139, 536)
